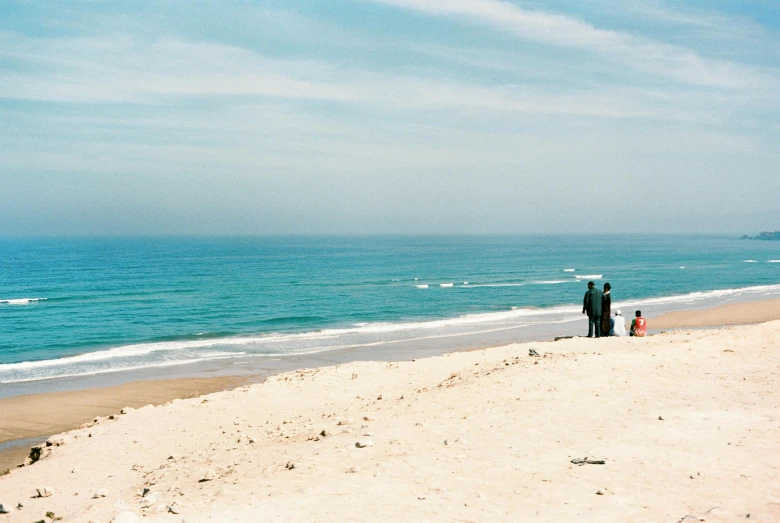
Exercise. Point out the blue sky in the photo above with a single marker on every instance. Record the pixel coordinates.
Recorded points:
(389, 116)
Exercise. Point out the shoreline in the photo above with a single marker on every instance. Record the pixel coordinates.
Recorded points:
(415, 336)
(38, 416)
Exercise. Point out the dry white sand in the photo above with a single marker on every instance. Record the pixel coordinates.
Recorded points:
(688, 424)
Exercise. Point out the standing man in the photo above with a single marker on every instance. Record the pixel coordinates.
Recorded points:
(592, 307)
(606, 309)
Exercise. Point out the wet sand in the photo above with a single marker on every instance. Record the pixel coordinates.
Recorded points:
(41, 415)
(730, 314)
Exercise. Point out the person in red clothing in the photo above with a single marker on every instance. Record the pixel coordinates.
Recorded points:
(638, 325)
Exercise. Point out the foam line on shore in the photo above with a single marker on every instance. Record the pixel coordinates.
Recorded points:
(172, 363)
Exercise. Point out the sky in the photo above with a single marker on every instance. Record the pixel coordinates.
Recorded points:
(389, 117)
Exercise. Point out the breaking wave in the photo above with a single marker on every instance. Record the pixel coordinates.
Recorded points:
(21, 301)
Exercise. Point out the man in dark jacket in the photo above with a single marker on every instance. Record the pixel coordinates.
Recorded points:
(592, 307)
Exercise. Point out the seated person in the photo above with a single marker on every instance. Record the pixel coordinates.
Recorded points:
(617, 325)
(638, 325)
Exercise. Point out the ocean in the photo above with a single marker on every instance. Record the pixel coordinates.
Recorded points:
(77, 307)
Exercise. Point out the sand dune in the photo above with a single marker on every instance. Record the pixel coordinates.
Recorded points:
(685, 422)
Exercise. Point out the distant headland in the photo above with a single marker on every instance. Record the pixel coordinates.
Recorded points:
(766, 235)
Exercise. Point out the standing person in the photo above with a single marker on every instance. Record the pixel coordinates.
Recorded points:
(638, 325)
(591, 306)
(618, 324)
(606, 309)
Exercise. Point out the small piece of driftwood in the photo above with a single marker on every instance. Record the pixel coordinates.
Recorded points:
(586, 461)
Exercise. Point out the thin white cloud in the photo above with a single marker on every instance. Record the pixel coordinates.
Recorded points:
(119, 69)
(653, 57)
(533, 25)
(680, 15)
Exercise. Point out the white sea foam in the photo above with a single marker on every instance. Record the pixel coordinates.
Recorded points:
(446, 284)
(317, 350)
(143, 349)
(84, 373)
(749, 261)
(569, 270)
(21, 301)
(550, 282)
(682, 266)
(589, 276)
(773, 261)
(422, 286)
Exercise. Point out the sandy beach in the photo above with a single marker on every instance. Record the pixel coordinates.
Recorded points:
(685, 422)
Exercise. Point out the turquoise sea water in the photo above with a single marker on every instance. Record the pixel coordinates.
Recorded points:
(77, 307)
